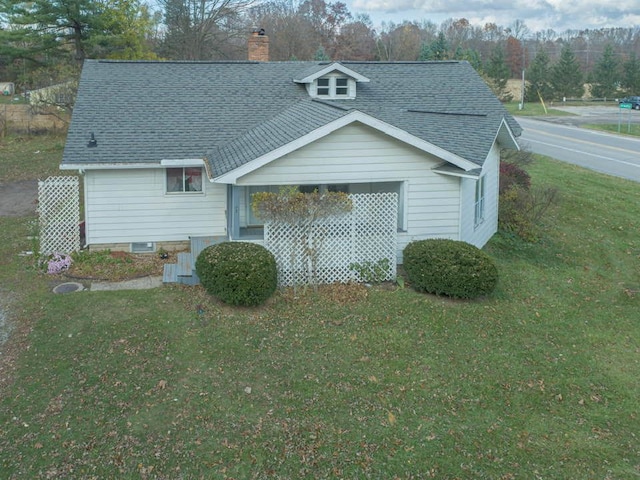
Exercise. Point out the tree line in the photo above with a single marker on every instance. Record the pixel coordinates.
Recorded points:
(43, 42)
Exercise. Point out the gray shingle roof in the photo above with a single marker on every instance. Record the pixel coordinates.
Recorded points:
(233, 112)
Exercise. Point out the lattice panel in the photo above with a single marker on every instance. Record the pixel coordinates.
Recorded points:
(324, 252)
(59, 212)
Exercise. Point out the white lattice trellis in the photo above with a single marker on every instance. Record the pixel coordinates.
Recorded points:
(59, 213)
(325, 252)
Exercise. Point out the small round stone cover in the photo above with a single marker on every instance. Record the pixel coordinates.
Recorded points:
(68, 287)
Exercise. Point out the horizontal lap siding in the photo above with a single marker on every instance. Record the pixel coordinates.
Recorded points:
(124, 206)
(358, 154)
(479, 235)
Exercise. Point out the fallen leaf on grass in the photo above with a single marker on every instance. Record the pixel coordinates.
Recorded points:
(391, 418)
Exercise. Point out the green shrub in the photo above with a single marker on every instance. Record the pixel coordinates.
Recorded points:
(238, 273)
(451, 268)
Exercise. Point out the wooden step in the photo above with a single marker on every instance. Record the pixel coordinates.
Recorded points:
(200, 243)
(185, 264)
(170, 273)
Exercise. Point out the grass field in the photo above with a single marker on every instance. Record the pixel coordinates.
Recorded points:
(538, 381)
(624, 128)
(533, 109)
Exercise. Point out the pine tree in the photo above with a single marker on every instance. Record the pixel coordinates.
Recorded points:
(631, 75)
(537, 77)
(436, 50)
(321, 55)
(48, 30)
(498, 73)
(606, 75)
(566, 77)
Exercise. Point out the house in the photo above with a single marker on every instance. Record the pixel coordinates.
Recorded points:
(170, 151)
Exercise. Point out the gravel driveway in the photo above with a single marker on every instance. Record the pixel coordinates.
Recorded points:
(18, 199)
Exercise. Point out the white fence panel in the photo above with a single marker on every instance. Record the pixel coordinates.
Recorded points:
(59, 215)
(325, 252)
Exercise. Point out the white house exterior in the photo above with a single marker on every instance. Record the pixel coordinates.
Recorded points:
(243, 127)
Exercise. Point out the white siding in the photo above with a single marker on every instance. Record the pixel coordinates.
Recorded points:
(479, 235)
(124, 206)
(359, 154)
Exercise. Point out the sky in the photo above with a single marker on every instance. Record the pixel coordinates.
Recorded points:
(538, 15)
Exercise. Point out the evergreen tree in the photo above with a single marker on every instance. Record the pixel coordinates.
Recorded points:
(48, 30)
(631, 75)
(436, 50)
(606, 75)
(321, 55)
(566, 77)
(537, 76)
(470, 55)
(498, 72)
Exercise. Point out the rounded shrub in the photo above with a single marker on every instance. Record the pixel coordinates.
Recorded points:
(449, 267)
(238, 273)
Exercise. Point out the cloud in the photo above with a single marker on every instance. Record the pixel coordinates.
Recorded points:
(538, 15)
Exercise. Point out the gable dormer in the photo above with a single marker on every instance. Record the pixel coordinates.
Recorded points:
(331, 81)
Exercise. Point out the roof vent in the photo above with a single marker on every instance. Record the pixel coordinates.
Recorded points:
(92, 142)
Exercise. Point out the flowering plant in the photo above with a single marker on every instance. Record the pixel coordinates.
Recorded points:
(58, 263)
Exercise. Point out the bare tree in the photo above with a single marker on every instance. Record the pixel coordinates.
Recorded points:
(291, 35)
(356, 41)
(404, 41)
(201, 29)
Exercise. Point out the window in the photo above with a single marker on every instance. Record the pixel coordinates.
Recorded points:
(184, 179)
(479, 203)
(342, 86)
(143, 247)
(332, 87)
(323, 86)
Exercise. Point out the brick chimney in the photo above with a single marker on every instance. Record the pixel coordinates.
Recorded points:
(258, 46)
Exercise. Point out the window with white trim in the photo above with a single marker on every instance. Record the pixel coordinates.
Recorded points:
(184, 180)
(479, 201)
(333, 86)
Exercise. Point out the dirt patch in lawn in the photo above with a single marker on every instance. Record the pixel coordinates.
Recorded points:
(18, 199)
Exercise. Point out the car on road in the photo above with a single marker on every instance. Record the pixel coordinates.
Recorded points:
(634, 101)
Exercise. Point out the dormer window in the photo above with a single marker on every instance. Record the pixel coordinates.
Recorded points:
(323, 87)
(342, 86)
(331, 81)
(334, 87)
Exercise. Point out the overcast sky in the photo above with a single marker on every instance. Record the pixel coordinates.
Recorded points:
(538, 15)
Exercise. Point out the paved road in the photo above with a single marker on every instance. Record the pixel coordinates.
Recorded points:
(612, 154)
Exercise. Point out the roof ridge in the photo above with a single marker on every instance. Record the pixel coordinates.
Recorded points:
(182, 62)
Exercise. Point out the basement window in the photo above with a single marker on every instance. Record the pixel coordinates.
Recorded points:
(143, 247)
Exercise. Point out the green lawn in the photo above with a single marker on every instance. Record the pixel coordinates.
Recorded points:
(30, 157)
(624, 128)
(534, 109)
(538, 381)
